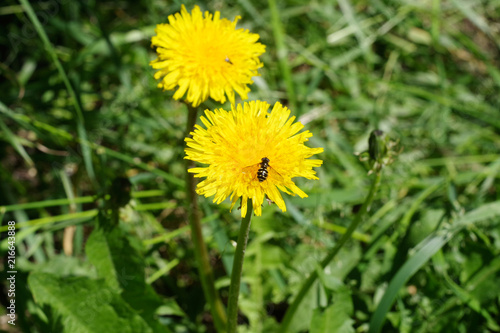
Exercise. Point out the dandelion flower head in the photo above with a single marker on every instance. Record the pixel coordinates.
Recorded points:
(205, 56)
(233, 145)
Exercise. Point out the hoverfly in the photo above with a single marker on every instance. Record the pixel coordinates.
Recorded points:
(264, 171)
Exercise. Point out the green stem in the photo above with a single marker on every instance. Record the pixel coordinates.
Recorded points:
(290, 313)
(200, 248)
(234, 287)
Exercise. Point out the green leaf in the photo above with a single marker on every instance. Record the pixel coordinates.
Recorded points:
(337, 317)
(106, 251)
(122, 267)
(302, 318)
(63, 266)
(334, 319)
(85, 305)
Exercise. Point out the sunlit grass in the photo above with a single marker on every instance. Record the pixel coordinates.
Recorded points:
(80, 108)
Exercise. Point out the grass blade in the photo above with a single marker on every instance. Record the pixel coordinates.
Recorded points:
(282, 52)
(25, 120)
(80, 123)
(426, 249)
(14, 141)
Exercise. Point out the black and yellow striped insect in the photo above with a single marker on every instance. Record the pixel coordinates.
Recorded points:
(264, 172)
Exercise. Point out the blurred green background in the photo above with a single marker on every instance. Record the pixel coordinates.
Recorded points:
(425, 72)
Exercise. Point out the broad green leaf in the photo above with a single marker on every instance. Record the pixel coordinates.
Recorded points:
(116, 261)
(122, 267)
(85, 305)
(334, 319)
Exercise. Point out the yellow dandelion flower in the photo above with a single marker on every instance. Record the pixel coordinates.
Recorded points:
(251, 153)
(205, 56)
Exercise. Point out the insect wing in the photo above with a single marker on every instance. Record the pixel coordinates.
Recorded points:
(275, 175)
(272, 173)
(251, 170)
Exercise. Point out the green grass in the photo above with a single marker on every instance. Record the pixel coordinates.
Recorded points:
(79, 107)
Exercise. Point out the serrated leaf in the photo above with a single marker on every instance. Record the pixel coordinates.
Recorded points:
(332, 320)
(302, 318)
(62, 265)
(122, 267)
(85, 305)
(115, 260)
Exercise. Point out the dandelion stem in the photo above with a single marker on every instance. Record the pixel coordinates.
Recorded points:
(314, 274)
(234, 287)
(200, 248)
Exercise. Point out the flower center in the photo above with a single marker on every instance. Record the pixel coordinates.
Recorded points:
(209, 54)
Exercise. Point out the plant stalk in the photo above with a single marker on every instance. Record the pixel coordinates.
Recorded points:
(290, 313)
(234, 287)
(200, 248)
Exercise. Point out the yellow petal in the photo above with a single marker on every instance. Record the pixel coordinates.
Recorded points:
(233, 144)
(205, 56)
